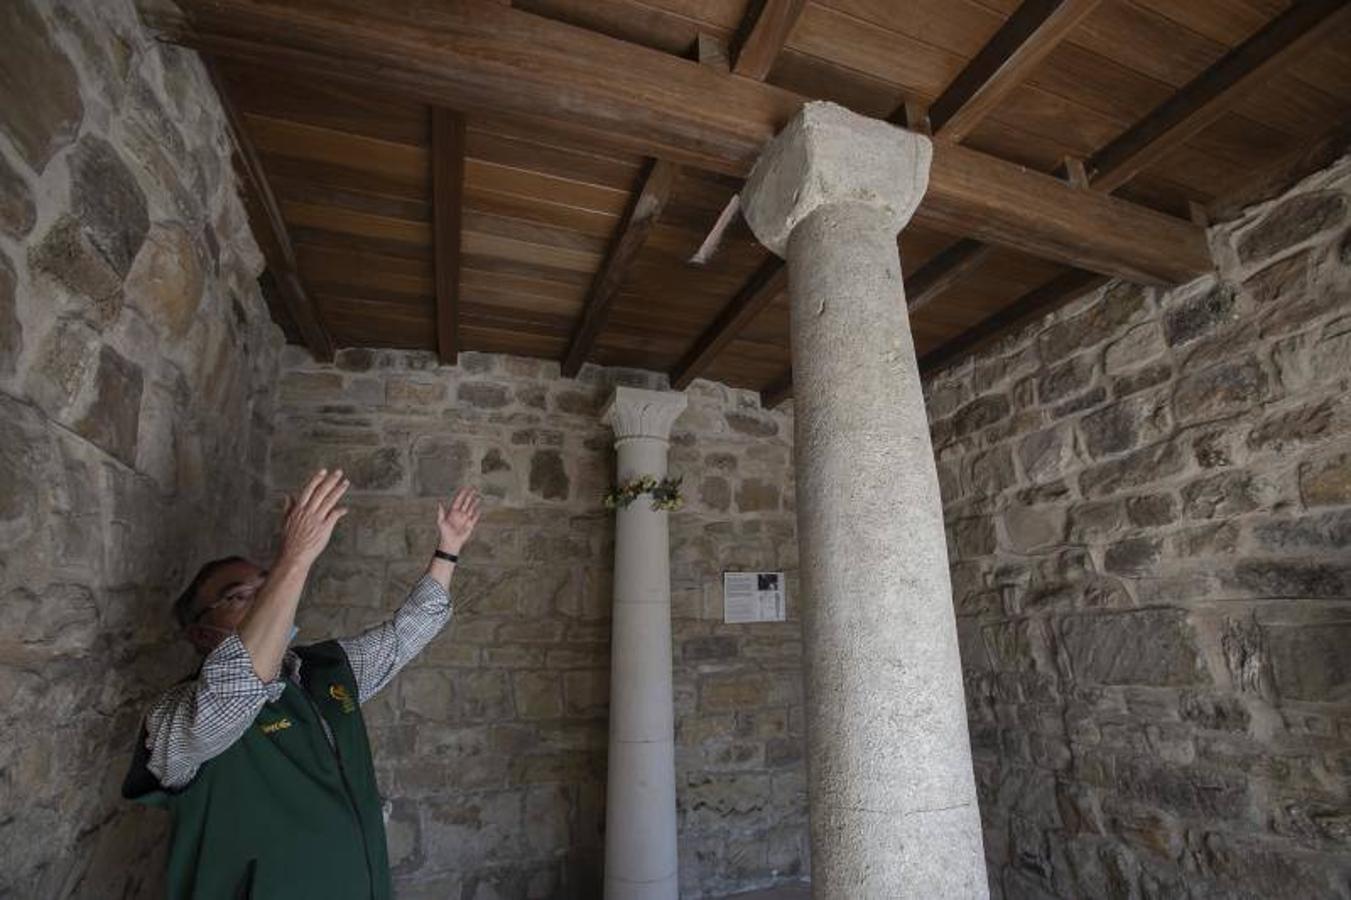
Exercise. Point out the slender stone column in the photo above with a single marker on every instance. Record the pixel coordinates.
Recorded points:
(890, 785)
(640, 815)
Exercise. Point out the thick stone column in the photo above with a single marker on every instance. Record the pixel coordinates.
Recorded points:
(640, 814)
(891, 790)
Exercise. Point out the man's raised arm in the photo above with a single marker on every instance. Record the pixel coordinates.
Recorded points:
(378, 654)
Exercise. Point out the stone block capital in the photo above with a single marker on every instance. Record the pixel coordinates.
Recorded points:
(829, 155)
(638, 413)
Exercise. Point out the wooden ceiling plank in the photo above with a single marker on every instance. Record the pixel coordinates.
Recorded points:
(1216, 90)
(448, 149)
(270, 226)
(943, 271)
(763, 34)
(642, 215)
(476, 55)
(768, 282)
(1050, 296)
(1025, 39)
(777, 391)
(1276, 179)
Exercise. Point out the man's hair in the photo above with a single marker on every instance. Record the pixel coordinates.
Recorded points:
(183, 606)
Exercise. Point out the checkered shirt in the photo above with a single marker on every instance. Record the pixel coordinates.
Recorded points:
(192, 722)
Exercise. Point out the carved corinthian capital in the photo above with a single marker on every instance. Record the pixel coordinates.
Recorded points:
(634, 412)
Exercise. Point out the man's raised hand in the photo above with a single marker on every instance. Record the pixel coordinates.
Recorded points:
(457, 521)
(309, 519)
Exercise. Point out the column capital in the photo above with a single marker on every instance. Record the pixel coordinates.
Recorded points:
(829, 155)
(635, 412)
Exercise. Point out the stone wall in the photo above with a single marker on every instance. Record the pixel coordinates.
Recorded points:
(1148, 497)
(136, 369)
(491, 747)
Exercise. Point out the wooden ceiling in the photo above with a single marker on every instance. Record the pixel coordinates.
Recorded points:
(535, 177)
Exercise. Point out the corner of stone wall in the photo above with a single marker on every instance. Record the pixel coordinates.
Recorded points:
(1148, 503)
(137, 366)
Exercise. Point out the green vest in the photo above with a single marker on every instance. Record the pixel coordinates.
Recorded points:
(281, 813)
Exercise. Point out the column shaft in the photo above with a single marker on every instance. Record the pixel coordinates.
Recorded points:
(640, 829)
(893, 802)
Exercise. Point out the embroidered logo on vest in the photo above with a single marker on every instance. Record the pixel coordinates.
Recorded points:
(274, 727)
(339, 693)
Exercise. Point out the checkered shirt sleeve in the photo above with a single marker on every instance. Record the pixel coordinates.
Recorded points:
(194, 721)
(377, 655)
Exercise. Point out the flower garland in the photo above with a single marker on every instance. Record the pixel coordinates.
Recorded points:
(665, 493)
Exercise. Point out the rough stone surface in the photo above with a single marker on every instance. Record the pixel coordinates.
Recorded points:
(18, 213)
(39, 90)
(1157, 695)
(133, 436)
(107, 202)
(166, 279)
(492, 745)
(11, 330)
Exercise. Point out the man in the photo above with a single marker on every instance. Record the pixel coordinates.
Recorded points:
(262, 758)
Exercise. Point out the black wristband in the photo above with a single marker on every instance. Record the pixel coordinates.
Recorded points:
(448, 557)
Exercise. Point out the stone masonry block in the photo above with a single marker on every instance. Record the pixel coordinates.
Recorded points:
(39, 89)
(1155, 647)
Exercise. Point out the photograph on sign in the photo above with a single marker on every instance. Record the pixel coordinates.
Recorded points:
(753, 597)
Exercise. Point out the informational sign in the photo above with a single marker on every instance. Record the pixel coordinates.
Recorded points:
(753, 597)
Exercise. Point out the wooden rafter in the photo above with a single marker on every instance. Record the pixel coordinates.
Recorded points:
(1216, 90)
(447, 204)
(763, 34)
(643, 212)
(1182, 116)
(270, 230)
(1026, 38)
(475, 55)
(943, 271)
(1037, 302)
(768, 282)
(780, 390)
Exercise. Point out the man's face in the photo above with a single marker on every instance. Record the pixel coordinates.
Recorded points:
(222, 602)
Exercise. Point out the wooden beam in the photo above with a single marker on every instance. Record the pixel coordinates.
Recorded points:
(270, 231)
(643, 212)
(766, 284)
(1024, 40)
(473, 55)
(1039, 301)
(778, 391)
(763, 33)
(1215, 91)
(1041, 215)
(447, 205)
(943, 271)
